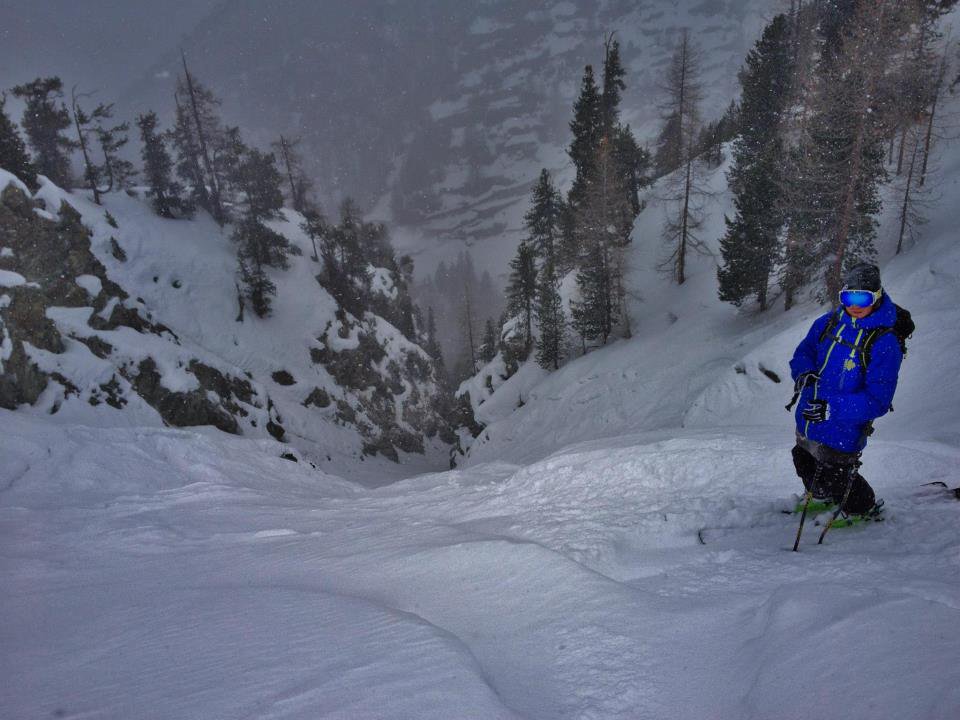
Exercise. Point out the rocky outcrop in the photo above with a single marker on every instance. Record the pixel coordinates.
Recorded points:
(53, 256)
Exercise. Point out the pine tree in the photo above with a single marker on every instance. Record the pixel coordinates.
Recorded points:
(258, 179)
(432, 346)
(188, 164)
(613, 85)
(44, 120)
(114, 171)
(488, 343)
(802, 219)
(587, 128)
(632, 164)
(568, 252)
(847, 132)
(522, 289)
(119, 171)
(550, 318)
(259, 247)
(165, 192)
(345, 274)
(229, 152)
(750, 247)
(85, 125)
(595, 313)
(315, 226)
(198, 135)
(13, 153)
(603, 233)
(542, 220)
(297, 180)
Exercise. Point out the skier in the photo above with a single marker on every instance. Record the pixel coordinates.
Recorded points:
(845, 374)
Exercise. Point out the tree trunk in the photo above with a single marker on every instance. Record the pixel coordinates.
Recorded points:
(240, 303)
(903, 143)
(684, 227)
(469, 312)
(929, 136)
(905, 209)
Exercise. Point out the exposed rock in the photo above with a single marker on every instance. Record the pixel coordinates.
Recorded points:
(98, 346)
(282, 377)
(117, 251)
(51, 255)
(276, 430)
(318, 397)
(179, 409)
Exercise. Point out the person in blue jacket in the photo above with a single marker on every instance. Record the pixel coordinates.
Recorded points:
(840, 395)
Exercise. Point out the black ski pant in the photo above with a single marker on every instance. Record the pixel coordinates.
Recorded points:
(833, 478)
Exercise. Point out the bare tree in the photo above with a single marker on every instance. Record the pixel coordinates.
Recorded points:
(685, 189)
(293, 167)
(680, 111)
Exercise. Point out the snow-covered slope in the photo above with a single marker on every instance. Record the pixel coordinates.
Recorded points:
(695, 362)
(158, 573)
(286, 375)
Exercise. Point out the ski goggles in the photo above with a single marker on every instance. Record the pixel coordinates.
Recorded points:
(860, 298)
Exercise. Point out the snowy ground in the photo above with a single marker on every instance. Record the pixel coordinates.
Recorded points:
(158, 573)
(155, 573)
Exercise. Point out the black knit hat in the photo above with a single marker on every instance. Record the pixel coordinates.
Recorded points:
(863, 276)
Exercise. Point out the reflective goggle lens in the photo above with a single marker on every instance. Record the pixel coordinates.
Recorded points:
(859, 298)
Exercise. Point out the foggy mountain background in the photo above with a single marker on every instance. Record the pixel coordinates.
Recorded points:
(434, 116)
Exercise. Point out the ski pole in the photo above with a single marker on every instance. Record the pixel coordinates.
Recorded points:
(796, 394)
(806, 503)
(851, 474)
(803, 517)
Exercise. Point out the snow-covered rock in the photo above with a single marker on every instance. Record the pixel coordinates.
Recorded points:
(116, 315)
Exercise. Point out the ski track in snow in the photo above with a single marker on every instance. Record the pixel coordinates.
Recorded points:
(159, 573)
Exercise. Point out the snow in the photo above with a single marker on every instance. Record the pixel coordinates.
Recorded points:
(182, 275)
(614, 548)
(6, 252)
(90, 283)
(381, 282)
(8, 278)
(175, 574)
(8, 178)
(442, 109)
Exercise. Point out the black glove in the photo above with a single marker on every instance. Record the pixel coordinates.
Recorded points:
(804, 379)
(816, 411)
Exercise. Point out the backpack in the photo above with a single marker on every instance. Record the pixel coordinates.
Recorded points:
(902, 329)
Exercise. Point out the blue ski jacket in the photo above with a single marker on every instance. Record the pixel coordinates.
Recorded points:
(855, 396)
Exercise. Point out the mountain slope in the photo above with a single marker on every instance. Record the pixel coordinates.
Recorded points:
(442, 115)
(143, 329)
(695, 362)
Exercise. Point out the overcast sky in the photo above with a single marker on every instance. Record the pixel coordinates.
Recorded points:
(97, 44)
